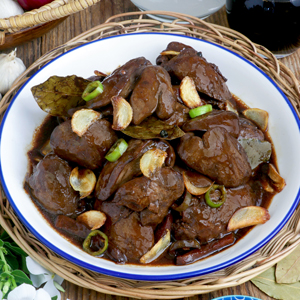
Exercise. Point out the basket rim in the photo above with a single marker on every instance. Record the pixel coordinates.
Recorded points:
(52, 11)
(125, 275)
(257, 264)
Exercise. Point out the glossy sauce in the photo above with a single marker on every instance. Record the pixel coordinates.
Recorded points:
(42, 135)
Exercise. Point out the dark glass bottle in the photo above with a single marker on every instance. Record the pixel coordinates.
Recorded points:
(274, 24)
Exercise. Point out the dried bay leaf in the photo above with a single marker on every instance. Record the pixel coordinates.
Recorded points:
(57, 95)
(288, 269)
(266, 282)
(151, 128)
(257, 151)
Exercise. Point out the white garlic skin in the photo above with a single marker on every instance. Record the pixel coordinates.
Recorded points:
(9, 8)
(11, 67)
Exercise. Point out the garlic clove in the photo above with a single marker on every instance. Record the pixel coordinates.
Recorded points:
(11, 67)
(10, 8)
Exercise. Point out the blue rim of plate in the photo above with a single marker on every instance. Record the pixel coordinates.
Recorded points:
(236, 297)
(141, 276)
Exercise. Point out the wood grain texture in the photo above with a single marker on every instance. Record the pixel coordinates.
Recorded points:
(79, 23)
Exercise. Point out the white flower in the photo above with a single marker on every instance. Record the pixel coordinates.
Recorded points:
(40, 275)
(28, 292)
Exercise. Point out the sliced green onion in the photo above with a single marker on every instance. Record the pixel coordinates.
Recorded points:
(117, 150)
(92, 90)
(212, 202)
(88, 241)
(200, 110)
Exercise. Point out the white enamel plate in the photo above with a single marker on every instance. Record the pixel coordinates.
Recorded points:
(244, 80)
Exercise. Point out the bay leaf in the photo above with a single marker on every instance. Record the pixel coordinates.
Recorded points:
(266, 282)
(151, 128)
(288, 269)
(58, 94)
(257, 151)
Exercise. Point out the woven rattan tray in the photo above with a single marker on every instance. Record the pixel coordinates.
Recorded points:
(55, 10)
(279, 247)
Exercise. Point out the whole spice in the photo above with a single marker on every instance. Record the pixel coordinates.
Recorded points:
(11, 67)
(9, 8)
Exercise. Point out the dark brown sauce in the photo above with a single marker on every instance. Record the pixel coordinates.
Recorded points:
(42, 135)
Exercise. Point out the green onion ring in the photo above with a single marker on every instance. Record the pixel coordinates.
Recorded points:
(222, 199)
(92, 90)
(87, 242)
(117, 150)
(200, 110)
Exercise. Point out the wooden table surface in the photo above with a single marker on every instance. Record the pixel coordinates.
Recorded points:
(79, 23)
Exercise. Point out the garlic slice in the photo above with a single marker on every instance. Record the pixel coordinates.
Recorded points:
(152, 161)
(170, 52)
(157, 250)
(258, 116)
(277, 180)
(229, 107)
(93, 219)
(248, 216)
(188, 93)
(83, 119)
(46, 148)
(122, 114)
(83, 181)
(194, 190)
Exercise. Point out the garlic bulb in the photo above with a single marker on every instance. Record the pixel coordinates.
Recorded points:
(9, 8)
(11, 67)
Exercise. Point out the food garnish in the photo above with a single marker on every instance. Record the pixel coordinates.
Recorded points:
(194, 190)
(277, 180)
(158, 249)
(152, 161)
(83, 119)
(221, 196)
(248, 216)
(93, 219)
(83, 181)
(92, 90)
(151, 128)
(189, 94)
(257, 151)
(102, 243)
(201, 110)
(59, 94)
(258, 116)
(117, 150)
(185, 203)
(122, 113)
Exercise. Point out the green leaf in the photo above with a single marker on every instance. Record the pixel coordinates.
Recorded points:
(266, 283)
(58, 286)
(5, 236)
(12, 262)
(288, 269)
(59, 94)
(15, 249)
(151, 129)
(20, 277)
(5, 276)
(54, 298)
(23, 265)
(1, 243)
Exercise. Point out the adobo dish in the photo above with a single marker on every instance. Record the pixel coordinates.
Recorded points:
(151, 164)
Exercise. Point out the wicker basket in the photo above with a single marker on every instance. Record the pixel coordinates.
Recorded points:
(279, 247)
(50, 12)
